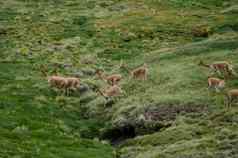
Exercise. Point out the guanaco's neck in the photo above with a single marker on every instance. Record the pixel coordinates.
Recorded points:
(101, 75)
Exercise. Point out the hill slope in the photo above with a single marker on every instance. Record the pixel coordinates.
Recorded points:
(172, 114)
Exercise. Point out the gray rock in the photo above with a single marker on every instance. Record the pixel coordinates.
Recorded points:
(78, 74)
(83, 88)
(88, 72)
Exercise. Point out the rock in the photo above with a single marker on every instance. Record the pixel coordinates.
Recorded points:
(84, 88)
(201, 31)
(62, 65)
(109, 102)
(128, 36)
(78, 74)
(88, 61)
(88, 72)
(116, 135)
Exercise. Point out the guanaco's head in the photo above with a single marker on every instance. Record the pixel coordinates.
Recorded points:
(222, 84)
(99, 71)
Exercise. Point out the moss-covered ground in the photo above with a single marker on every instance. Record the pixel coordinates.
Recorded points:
(75, 37)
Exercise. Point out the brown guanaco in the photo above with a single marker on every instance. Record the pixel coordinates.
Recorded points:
(55, 81)
(215, 83)
(111, 91)
(62, 83)
(231, 95)
(220, 67)
(110, 79)
(138, 73)
(58, 82)
(72, 83)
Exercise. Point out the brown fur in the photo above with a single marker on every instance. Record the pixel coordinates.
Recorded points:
(215, 83)
(232, 95)
(72, 83)
(111, 91)
(138, 73)
(62, 83)
(110, 79)
(220, 67)
(57, 81)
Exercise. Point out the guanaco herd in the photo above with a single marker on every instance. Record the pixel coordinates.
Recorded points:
(62, 83)
(226, 69)
(66, 84)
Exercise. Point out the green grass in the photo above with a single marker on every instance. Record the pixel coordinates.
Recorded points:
(188, 137)
(37, 121)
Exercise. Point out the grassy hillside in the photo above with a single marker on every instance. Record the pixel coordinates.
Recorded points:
(172, 114)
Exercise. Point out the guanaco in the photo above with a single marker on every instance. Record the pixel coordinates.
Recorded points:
(111, 91)
(110, 79)
(138, 73)
(72, 83)
(215, 83)
(220, 66)
(62, 83)
(231, 95)
(58, 82)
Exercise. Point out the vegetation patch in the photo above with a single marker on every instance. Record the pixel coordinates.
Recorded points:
(171, 114)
